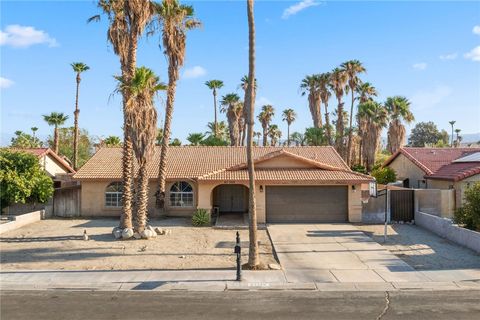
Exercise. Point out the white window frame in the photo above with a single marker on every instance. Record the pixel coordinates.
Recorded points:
(180, 195)
(117, 202)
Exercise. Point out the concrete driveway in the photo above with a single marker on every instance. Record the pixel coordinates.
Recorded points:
(336, 253)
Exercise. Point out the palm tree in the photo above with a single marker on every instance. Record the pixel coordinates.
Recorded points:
(325, 94)
(55, 119)
(195, 138)
(78, 68)
(34, 130)
(399, 109)
(143, 121)
(258, 135)
(222, 130)
(253, 255)
(457, 141)
(127, 20)
(316, 137)
(230, 105)
(289, 116)
(299, 138)
(352, 68)
(176, 19)
(274, 134)
(452, 123)
(265, 117)
(243, 85)
(338, 80)
(365, 93)
(311, 85)
(214, 85)
(376, 116)
(112, 141)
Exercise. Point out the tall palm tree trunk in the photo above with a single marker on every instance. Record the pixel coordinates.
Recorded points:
(339, 146)
(75, 126)
(350, 133)
(232, 128)
(142, 198)
(265, 135)
(327, 123)
(215, 123)
(172, 85)
(55, 139)
(127, 157)
(288, 135)
(253, 256)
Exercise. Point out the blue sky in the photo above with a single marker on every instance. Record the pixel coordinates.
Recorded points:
(427, 51)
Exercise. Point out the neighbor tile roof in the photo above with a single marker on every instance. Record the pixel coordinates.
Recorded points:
(437, 163)
(199, 162)
(40, 152)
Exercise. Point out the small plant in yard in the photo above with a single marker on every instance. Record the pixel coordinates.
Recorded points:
(469, 214)
(359, 168)
(201, 218)
(384, 175)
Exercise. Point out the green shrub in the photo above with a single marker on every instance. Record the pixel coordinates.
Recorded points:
(359, 168)
(201, 218)
(384, 175)
(469, 214)
(22, 179)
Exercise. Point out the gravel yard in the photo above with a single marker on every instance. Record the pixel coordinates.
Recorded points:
(56, 244)
(422, 249)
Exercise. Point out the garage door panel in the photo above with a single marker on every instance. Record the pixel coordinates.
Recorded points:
(307, 203)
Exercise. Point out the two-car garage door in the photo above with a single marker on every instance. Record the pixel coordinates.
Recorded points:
(307, 203)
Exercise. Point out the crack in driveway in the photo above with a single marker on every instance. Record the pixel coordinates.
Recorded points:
(387, 306)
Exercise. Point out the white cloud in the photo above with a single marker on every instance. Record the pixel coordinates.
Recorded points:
(420, 66)
(474, 54)
(262, 101)
(296, 8)
(476, 30)
(23, 37)
(426, 99)
(5, 83)
(194, 72)
(449, 56)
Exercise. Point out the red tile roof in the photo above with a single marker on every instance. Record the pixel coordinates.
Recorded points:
(437, 162)
(40, 152)
(199, 162)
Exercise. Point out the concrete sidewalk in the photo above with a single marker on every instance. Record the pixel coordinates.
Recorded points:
(216, 280)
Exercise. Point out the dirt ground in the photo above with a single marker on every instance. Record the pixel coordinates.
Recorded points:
(59, 245)
(422, 249)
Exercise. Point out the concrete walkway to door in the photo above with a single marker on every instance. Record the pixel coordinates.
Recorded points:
(337, 253)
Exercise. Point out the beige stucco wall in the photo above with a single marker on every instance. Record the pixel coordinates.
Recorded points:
(52, 166)
(406, 169)
(93, 199)
(459, 186)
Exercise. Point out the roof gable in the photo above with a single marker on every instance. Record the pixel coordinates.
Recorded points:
(196, 161)
(431, 160)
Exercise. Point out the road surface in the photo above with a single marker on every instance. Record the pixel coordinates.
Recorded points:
(72, 305)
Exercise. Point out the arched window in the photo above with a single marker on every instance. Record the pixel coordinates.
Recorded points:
(181, 194)
(113, 195)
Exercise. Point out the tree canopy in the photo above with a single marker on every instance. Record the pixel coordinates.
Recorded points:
(65, 144)
(425, 133)
(22, 179)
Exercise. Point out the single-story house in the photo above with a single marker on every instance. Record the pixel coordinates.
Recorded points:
(293, 184)
(437, 168)
(55, 166)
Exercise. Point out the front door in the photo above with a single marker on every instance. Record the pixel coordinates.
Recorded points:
(231, 198)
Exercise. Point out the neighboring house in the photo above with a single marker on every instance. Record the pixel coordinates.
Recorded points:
(54, 165)
(437, 168)
(293, 184)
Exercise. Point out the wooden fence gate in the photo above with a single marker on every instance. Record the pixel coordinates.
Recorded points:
(402, 205)
(66, 202)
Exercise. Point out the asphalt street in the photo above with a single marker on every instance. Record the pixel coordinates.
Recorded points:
(62, 304)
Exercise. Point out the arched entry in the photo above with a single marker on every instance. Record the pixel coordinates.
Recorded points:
(230, 198)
